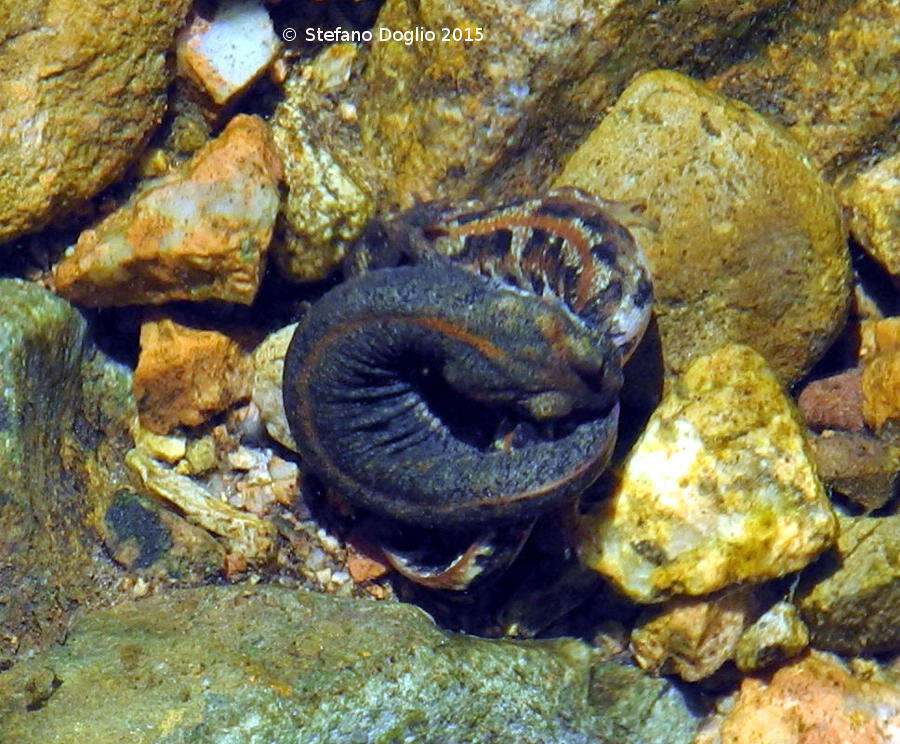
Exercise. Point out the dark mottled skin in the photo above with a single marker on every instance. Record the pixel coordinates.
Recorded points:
(383, 368)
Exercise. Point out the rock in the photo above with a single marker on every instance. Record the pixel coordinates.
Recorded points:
(855, 609)
(224, 55)
(184, 375)
(65, 412)
(778, 635)
(692, 637)
(834, 402)
(198, 234)
(749, 247)
(272, 664)
(394, 122)
(872, 199)
(268, 368)
(881, 390)
(862, 467)
(325, 209)
(141, 534)
(718, 490)
(161, 446)
(245, 534)
(81, 86)
(831, 81)
(880, 336)
(814, 700)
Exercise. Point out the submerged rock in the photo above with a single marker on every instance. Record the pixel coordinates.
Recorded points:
(65, 412)
(873, 201)
(489, 111)
(279, 665)
(81, 86)
(692, 637)
(814, 700)
(199, 234)
(834, 402)
(268, 368)
(749, 246)
(185, 375)
(718, 490)
(777, 635)
(855, 609)
(862, 467)
(224, 55)
(830, 76)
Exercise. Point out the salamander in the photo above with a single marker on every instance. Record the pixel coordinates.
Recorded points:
(468, 372)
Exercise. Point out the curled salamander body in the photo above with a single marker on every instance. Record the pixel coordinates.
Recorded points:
(478, 384)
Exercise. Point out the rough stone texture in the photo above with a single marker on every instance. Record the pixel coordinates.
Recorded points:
(862, 467)
(184, 375)
(268, 664)
(855, 609)
(246, 536)
(81, 86)
(64, 427)
(831, 81)
(777, 635)
(398, 122)
(268, 369)
(718, 490)
(198, 234)
(692, 637)
(873, 201)
(813, 701)
(833, 402)
(224, 55)
(749, 246)
(879, 336)
(881, 390)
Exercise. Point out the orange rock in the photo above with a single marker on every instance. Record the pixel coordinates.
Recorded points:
(879, 337)
(812, 701)
(881, 389)
(184, 375)
(364, 560)
(198, 234)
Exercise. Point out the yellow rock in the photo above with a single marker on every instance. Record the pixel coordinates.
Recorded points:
(873, 200)
(719, 489)
(749, 246)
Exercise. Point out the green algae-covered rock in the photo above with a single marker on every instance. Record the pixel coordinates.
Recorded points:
(268, 664)
(64, 413)
(65, 417)
(719, 489)
(856, 609)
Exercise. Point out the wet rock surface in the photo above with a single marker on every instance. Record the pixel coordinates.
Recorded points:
(65, 411)
(854, 610)
(293, 666)
(185, 375)
(383, 126)
(872, 198)
(692, 637)
(58, 149)
(726, 191)
(718, 490)
(815, 700)
(199, 234)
